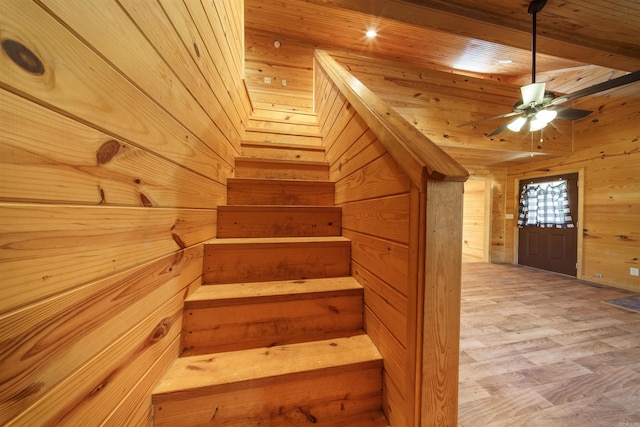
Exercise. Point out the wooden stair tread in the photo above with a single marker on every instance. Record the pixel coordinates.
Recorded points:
(275, 240)
(279, 145)
(281, 161)
(276, 208)
(197, 375)
(253, 127)
(256, 292)
(276, 181)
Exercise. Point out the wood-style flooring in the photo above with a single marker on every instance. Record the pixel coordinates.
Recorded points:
(542, 349)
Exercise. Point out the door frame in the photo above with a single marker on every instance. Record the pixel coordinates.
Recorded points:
(580, 220)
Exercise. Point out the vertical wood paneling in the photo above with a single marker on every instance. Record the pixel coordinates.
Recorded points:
(498, 209)
(119, 122)
(475, 220)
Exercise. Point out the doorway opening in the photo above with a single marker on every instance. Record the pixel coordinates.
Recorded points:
(547, 223)
(476, 222)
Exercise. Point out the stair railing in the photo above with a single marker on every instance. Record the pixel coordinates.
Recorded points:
(421, 356)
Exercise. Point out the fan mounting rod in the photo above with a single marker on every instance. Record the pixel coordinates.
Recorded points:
(534, 7)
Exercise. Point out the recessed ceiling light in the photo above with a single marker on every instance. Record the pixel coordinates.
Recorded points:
(371, 33)
(505, 61)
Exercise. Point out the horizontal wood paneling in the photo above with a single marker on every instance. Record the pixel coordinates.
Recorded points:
(291, 62)
(49, 340)
(116, 106)
(86, 166)
(110, 375)
(172, 94)
(610, 226)
(437, 103)
(388, 215)
(119, 122)
(47, 250)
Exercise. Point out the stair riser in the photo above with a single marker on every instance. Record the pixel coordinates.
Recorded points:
(295, 117)
(258, 136)
(283, 193)
(280, 170)
(235, 263)
(237, 327)
(278, 222)
(318, 398)
(283, 127)
(284, 153)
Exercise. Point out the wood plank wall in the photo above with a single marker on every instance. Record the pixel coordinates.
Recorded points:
(497, 177)
(475, 227)
(374, 195)
(119, 122)
(611, 225)
(291, 62)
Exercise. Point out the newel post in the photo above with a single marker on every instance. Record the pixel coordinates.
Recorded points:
(439, 263)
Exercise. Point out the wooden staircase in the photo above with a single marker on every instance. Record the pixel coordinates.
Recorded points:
(275, 335)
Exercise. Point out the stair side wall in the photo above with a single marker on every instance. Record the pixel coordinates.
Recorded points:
(406, 253)
(112, 172)
(374, 194)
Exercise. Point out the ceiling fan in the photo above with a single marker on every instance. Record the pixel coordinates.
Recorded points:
(538, 107)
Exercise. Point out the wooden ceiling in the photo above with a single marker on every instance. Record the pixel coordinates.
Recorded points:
(579, 42)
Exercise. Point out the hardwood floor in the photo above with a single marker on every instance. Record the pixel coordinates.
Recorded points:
(541, 349)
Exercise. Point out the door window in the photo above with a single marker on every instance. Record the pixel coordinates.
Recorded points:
(545, 205)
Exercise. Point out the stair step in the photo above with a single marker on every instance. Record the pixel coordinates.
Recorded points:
(236, 260)
(283, 138)
(320, 382)
(270, 150)
(284, 116)
(278, 221)
(283, 127)
(281, 169)
(256, 191)
(238, 316)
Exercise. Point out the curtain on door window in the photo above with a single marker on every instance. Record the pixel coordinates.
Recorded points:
(546, 205)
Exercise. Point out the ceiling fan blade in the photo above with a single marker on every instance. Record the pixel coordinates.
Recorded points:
(513, 113)
(600, 87)
(572, 113)
(499, 130)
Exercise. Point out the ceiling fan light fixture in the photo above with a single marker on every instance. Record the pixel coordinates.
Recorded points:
(517, 124)
(537, 125)
(545, 116)
(533, 93)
